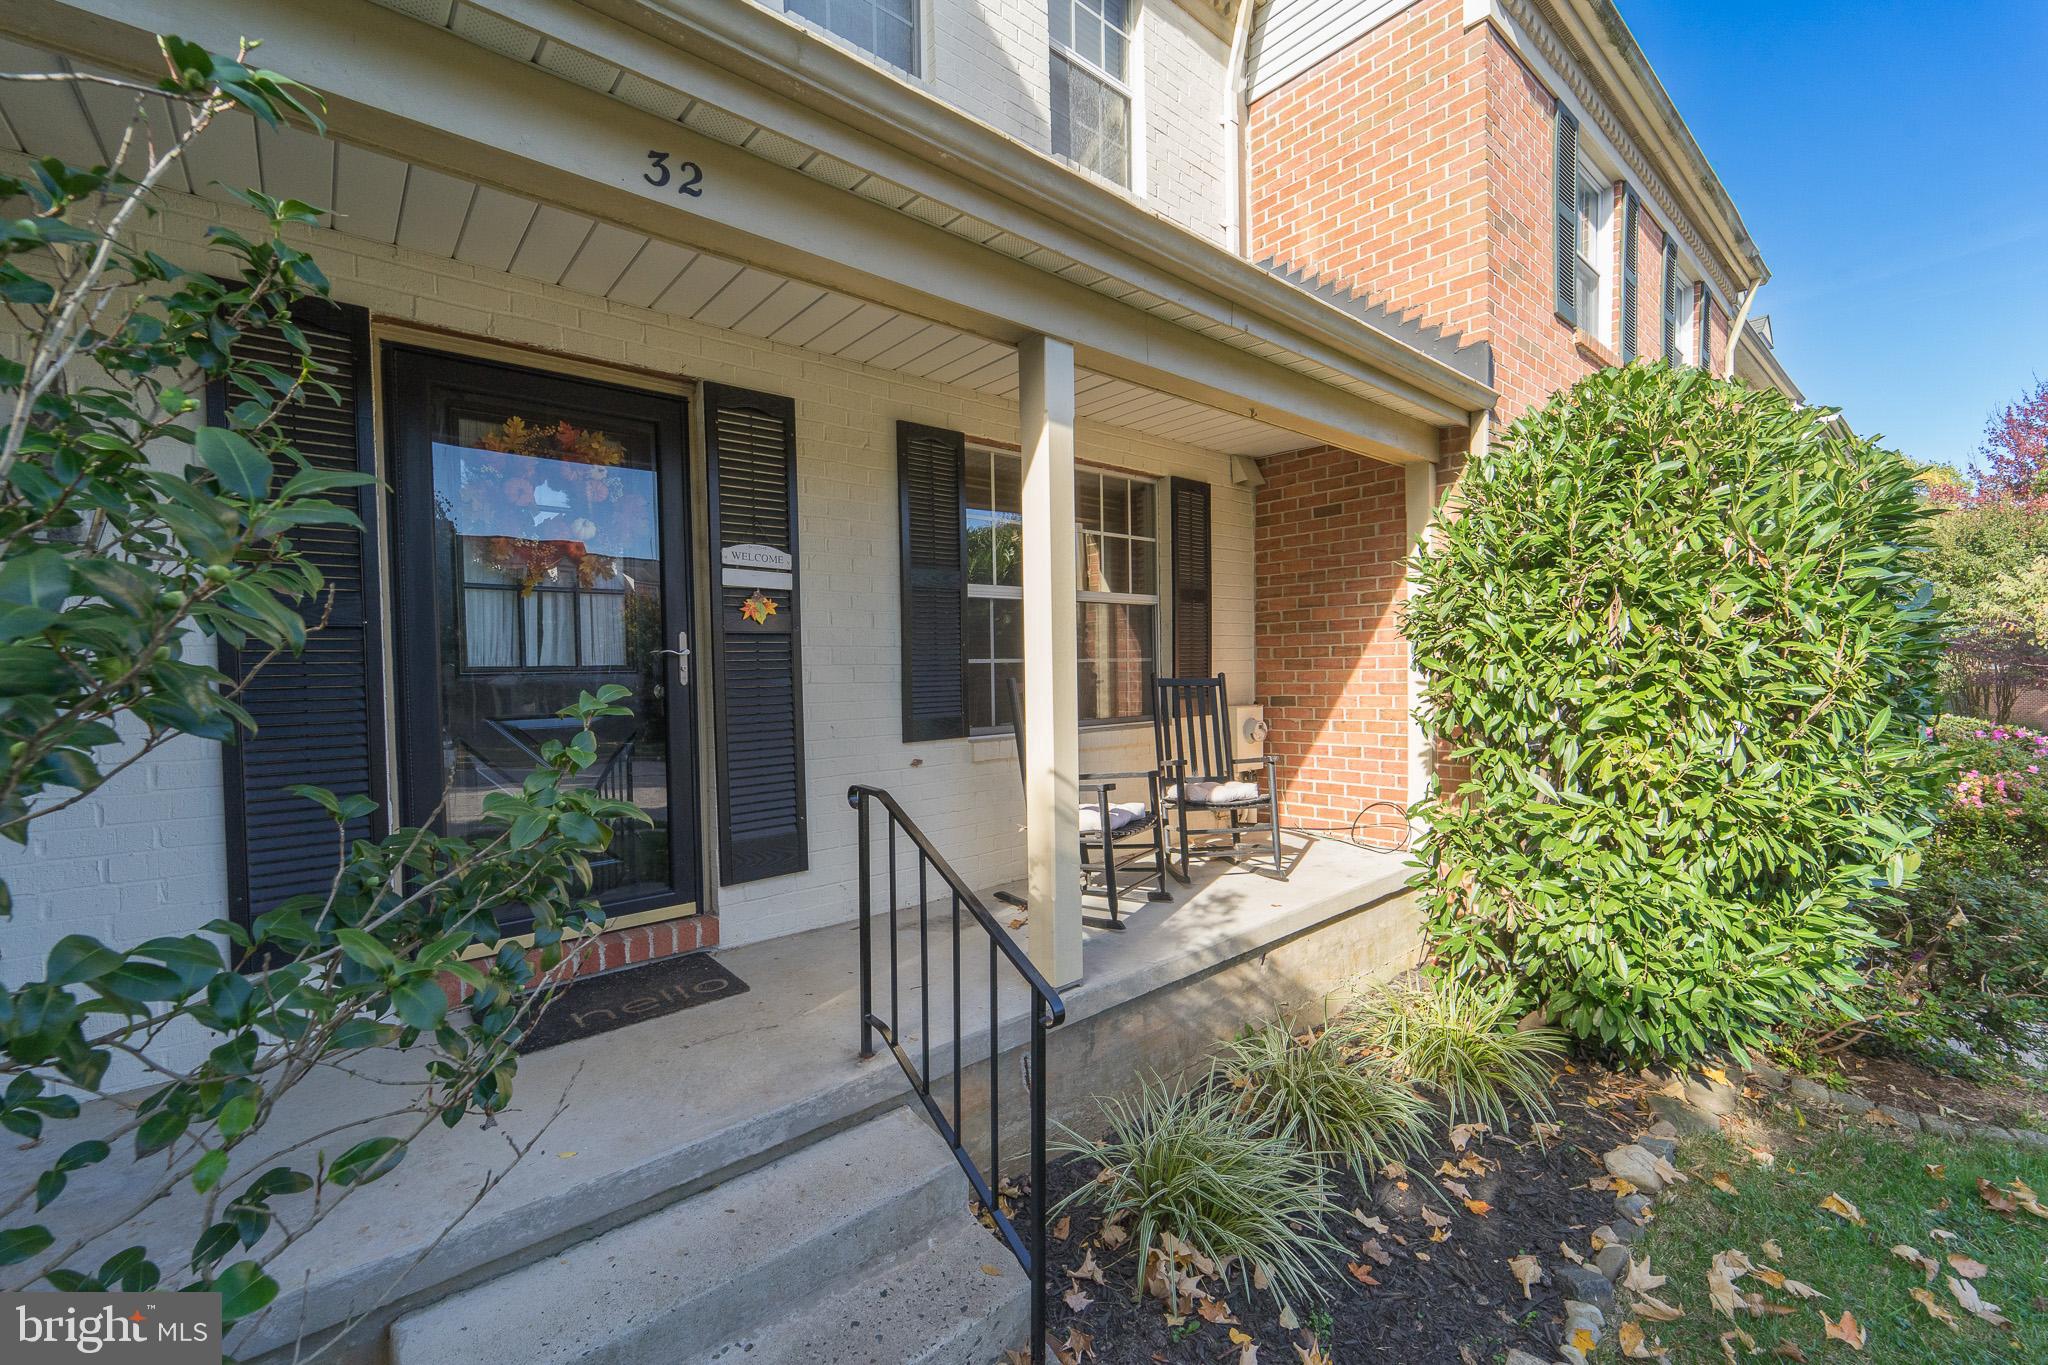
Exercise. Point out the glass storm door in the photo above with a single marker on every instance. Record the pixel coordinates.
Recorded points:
(542, 552)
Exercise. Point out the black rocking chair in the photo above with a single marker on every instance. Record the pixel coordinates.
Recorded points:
(1191, 728)
(1131, 855)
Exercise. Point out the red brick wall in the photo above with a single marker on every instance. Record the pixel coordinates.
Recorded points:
(616, 948)
(1367, 170)
(1333, 668)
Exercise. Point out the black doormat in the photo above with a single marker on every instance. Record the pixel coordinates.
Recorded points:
(598, 1004)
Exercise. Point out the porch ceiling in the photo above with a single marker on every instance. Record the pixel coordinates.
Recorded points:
(380, 198)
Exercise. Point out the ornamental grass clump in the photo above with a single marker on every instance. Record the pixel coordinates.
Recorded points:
(1191, 1173)
(1459, 1042)
(1678, 636)
(1338, 1106)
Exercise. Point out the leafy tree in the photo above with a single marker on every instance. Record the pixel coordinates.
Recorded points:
(111, 561)
(1991, 561)
(1680, 636)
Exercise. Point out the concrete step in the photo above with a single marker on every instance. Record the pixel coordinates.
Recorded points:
(682, 1282)
(938, 1306)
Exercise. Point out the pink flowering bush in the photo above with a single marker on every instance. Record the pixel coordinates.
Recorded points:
(1966, 985)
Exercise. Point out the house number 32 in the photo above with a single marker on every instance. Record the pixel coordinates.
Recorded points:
(687, 176)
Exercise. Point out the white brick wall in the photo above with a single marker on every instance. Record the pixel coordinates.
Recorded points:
(144, 857)
(990, 59)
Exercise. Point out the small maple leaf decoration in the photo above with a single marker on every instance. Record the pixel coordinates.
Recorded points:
(759, 608)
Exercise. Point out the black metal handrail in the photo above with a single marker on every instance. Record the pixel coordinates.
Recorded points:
(1047, 1011)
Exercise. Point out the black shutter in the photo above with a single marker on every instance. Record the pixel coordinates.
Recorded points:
(1670, 299)
(931, 482)
(1191, 596)
(751, 440)
(1630, 296)
(1703, 329)
(319, 715)
(1567, 140)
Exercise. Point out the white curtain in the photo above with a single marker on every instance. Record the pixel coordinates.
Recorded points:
(550, 630)
(490, 630)
(604, 630)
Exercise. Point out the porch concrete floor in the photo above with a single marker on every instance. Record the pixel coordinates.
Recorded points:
(660, 1109)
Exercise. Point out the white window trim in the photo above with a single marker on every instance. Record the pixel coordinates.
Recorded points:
(1128, 87)
(1156, 599)
(1599, 255)
(920, 38)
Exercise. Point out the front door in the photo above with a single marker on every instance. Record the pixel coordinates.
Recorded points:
(542, 551)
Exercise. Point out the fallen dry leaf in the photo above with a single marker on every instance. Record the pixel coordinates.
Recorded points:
(1847, 1330)
(1061, 1228)
(1584, 1340)
(1773, 1250)
(1112, 1236)
(1728, 1340)
(1926, 1263)
(1788, 1350)
(1639, 1277)
(1655, 1309)
(1360, 1273)
(988, 1269)
(1077, 1300)
(1564, 1249)
(1720, 1181)
(1926, 1299)
(1763, 1156)
(1965, 1267)
(1966, 1295)
(1632, 1344)
(1313, 1354)
(1378, 1253)
(1943, 1233)
(1478, 1207)
(1527, 1270)
(1214, 1310)
(1463, 1133)
(1841, 1208)
(1433, 1218)
(1937, 1171)
(1087, 1270)
(1288, 1322)
(1247, 1349)
(1457, 1187)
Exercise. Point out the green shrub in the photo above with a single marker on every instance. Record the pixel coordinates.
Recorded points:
(1966, 987)
(1679, 637)
(1192, 1166)
(1459, 1042)
(1355, 1110)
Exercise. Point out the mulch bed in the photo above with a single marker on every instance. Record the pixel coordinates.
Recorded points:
(1453, 1301)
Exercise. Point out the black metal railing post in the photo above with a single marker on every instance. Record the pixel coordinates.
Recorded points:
(1047, 1011)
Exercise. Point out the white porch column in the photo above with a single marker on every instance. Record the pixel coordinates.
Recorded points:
(1052, 756)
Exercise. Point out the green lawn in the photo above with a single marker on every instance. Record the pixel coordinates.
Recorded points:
(1887, 1179)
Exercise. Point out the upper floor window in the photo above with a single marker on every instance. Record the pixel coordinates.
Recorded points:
(1596, 248)
(1091, 95)
(886, 28)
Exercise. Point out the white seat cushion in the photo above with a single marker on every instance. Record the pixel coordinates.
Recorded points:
(1122, 815)
(1216, 793)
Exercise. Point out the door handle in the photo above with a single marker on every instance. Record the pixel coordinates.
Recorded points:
(681, 653)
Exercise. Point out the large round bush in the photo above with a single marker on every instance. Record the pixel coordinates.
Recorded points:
(1677, 637)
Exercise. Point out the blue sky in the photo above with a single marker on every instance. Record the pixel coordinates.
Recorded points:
(1891, 161)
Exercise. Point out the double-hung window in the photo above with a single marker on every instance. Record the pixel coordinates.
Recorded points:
(1596, 247)
(1117, 580)
(1091, 94)
(885, 28)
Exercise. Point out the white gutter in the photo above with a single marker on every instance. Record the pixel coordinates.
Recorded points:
(1237, 181)
(1735, 329)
